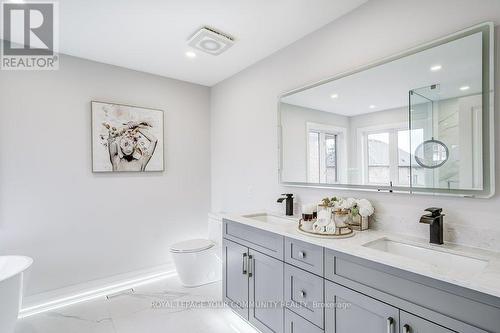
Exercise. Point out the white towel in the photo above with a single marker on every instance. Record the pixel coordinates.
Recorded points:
(331, 228)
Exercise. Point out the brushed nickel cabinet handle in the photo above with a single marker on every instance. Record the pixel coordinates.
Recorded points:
(302, 254)
(406, 328)
(245, 264)
(250, 265)
(390, 325)
(302, 293)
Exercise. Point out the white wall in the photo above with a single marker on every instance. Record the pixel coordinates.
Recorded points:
(244, 153)
(79, 226)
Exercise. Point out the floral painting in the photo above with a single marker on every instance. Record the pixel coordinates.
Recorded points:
(126, 138)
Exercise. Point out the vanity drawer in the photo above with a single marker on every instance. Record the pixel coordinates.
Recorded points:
(257, 239)
(304, 294)
(461, 309)
(304, 255)
(296, 324)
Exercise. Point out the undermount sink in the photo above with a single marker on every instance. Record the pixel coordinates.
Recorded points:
(269, 218)
(435, 257)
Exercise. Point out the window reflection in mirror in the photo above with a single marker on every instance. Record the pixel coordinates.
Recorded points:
(322, 156)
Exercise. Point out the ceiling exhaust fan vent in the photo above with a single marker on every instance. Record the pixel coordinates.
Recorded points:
(211, 41)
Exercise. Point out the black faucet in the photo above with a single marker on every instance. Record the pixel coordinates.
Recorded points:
(289, 203)
(435, 221)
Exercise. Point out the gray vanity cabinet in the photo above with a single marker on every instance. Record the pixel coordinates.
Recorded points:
(253, 286)
(266, 292)
(304, 294)
(280, 285)
(414, 324)
(304, 255)
(348, 311)
(296, 324)
(260, 240)
(235, 279)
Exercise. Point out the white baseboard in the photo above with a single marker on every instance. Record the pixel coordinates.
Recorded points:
(94, 289)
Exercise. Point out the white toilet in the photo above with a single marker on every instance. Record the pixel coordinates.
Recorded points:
(198, 261)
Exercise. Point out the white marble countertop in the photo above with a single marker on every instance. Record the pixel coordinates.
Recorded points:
(486, 281)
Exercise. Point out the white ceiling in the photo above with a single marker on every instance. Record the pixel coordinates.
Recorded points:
(151, 35)
(387, 86)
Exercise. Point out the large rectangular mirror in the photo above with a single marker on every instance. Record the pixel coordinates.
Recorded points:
(421, 121)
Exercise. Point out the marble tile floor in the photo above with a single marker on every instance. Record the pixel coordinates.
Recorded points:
(163, 306)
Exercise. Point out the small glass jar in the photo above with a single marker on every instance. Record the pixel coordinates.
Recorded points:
(307, 217)
(324, 219)
(322, 208)
(341, 218)
(307, 225)
(359, 222)
(355, 222)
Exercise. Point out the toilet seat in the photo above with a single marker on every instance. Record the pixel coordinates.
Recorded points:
(192, 246)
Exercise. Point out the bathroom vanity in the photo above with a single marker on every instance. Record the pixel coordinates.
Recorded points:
(282, 281)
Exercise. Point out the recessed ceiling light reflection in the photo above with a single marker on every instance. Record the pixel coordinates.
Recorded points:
(334, 96)
(436, 68)
(372, 106)
(464, 88)
(190, 54)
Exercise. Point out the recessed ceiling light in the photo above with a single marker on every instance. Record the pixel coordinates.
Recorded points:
(435, 68)
(334, 96)
(464, 88)
(372, 106)
(210, 45)
(190, 54)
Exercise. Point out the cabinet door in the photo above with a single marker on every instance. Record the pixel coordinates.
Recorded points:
(235, 278)
(266, 292)
(296, 324)
(348, 311)
(414, 324)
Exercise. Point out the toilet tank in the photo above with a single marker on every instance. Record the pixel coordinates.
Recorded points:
(215, 228)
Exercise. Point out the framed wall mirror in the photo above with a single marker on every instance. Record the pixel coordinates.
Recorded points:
(418, 122)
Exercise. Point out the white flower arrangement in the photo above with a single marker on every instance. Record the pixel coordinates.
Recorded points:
(365, 207)
(344, 204)
(362, 207)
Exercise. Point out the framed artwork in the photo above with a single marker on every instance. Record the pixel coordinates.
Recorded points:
(126, 138)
